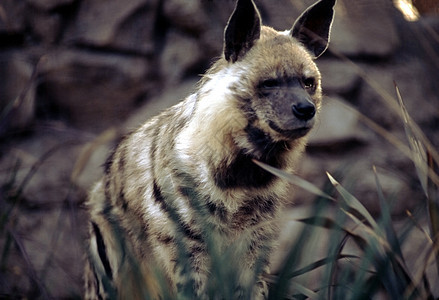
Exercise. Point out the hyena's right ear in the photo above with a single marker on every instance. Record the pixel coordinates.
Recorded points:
(242, 30)
(313, 27)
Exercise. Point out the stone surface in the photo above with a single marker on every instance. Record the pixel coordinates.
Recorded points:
(337, 126)
(51, 252)
(178, 60)
(338, 77)
(46, 27)
(17, 92)
(12, 19)
(49, 4)
(85, 85)
(189, 16)
(127, 25)
(43, 165)
(364, 28)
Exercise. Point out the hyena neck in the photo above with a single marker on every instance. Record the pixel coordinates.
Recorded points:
(241, 172)
(239, 169)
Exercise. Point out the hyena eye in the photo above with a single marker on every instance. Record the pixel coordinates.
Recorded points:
(269, 83)
(309, 83)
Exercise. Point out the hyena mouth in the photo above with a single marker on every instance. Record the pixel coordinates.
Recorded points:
(290, 134)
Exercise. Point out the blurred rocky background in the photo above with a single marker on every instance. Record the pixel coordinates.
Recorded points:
(76, 75)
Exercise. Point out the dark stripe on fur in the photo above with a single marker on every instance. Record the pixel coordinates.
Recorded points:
(265, 206)
(255, 211)
(217, 210)
(165, 239)
(158, 197)
(109, 162)
(186, 229)
(190, 233)
(271, 152)
(242, 172)
(102, 251)
(98, 285)
(122, 201)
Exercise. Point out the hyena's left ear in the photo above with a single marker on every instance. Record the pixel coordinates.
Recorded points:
(313, 27)
(242, 30)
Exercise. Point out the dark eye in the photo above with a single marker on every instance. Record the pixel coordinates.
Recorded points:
(269, 83)
(309, 83)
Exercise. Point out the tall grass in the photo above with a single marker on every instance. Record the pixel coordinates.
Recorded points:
(363, 257)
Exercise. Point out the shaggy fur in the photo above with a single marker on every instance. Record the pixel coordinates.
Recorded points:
(184, 185)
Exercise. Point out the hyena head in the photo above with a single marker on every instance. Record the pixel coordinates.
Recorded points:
(271, 74)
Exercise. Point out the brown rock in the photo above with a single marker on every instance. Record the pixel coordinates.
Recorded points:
(364, 28)
(337, 125)
(338, 77)
(186, 15)
(45, 26)
(17, 92)
(94, 90)
(180, 55)
(49, 4)
(12, 17)
(125, 25)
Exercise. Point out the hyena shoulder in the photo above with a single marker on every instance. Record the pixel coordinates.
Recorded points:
(183, 192)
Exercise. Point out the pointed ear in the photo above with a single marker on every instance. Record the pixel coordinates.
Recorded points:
(242, 30)
(313, 27)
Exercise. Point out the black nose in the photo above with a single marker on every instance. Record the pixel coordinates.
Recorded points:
(304, 110)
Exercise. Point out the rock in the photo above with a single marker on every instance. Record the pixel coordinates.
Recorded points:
(108, 66)
(379, 100)
(127, 25)
(338, 77)
(17, 92)
(364, 28)
(187, 16)
(396, 184)
(12, 19)
(48, 5)
(42, 166)
(94, 90)
(88, 168)
(338, 126)
(180, 55)
(280, 14)
(54, 250)
(45, 26)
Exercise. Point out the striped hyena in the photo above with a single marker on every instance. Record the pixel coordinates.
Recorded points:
(182, 202)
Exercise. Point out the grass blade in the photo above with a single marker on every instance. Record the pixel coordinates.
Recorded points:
(386, 219)
(419, 155)
(331, 224)
(304, 291)
(296, 180)
(433, 210)
(351, 202)
(319, 263)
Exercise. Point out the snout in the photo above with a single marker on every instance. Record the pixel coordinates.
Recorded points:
(304, 110)
(294, 114)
